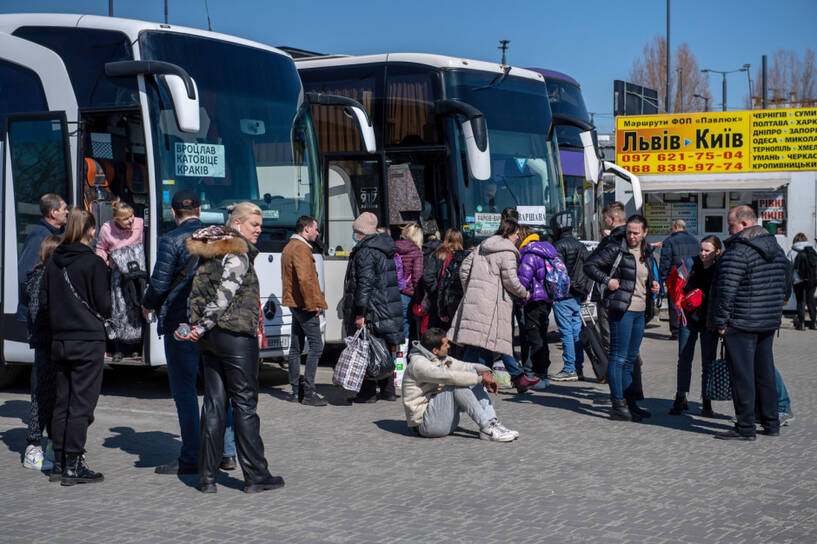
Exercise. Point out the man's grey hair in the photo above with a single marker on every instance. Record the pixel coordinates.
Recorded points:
(679, 224)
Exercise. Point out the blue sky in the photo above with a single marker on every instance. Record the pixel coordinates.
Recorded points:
(595, 41)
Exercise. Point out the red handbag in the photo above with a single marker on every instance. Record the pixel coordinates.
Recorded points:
(692, 300)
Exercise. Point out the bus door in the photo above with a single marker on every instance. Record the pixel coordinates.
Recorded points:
(354, 184)
(420, 188)
(36, 110)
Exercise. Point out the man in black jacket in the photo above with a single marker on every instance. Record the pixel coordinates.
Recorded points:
(675, 247)
(568, 310)
(371, 294)
(167, 296)
(752, 284)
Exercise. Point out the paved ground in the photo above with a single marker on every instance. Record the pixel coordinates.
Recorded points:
(354, 474)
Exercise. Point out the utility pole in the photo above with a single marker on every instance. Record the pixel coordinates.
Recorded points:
(110, 8)
(765, 82)
(165, 11)
(504, 47)
(666, 96)
(749, 77)
(679, 105)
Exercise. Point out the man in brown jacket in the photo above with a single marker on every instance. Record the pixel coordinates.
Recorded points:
(302, 295)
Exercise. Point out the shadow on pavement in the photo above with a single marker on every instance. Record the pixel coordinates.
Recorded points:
(16, 409)
(15, 439)
(153, 448)
(395, 426)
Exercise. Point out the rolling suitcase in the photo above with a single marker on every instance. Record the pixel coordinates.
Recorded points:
(593, 347)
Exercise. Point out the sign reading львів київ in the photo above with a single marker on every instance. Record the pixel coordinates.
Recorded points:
(718, 142)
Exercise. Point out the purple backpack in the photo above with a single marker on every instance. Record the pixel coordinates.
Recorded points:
(401, 280)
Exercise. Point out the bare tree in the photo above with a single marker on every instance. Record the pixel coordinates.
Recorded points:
(792, 81)
(686, 79)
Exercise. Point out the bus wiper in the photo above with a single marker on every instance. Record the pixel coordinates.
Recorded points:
(497, 80)
(508, 187)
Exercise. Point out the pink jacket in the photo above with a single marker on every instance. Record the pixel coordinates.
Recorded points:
(112, 237)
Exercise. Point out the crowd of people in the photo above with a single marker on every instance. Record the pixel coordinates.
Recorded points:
(458, 308)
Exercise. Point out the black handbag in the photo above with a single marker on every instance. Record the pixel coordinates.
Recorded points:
(718, 381)
(381, 358)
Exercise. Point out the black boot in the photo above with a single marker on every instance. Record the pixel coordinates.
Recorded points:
(75, 472)
(620, 411)
(813, 325)
(680, 405)
(59, 462)
(706, 411)
(637, 411)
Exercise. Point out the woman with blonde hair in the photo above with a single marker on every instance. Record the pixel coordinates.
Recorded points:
(77, 295)
(224, 318)
(433, 269)
(120, 245)
(410, 249)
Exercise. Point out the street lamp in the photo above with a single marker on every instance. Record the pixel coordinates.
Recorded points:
(723, 73)
(749, 77)
(704, 98)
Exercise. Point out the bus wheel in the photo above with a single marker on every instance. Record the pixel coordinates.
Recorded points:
(9, 374)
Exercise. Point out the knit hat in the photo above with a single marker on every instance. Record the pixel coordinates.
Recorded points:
(365, 224)
(561, 221)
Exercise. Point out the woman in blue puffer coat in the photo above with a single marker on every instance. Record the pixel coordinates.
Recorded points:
(531, 272)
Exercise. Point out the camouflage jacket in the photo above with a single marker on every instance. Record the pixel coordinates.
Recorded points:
(225, 290)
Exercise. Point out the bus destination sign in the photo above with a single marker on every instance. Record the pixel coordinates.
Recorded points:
(718, 142)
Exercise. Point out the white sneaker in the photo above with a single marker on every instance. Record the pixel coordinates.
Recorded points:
(494, 433)
(515, 434)
(35, 460)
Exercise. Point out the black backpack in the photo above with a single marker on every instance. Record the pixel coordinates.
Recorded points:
(806, 265)
(580, 284)
(449, 289)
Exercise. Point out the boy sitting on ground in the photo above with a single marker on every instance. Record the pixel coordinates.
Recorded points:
(437, 388)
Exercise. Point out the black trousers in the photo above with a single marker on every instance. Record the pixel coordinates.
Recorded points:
(79, 381)
(537, 317)
(230, 363)
(750, 357)
(805, 298)
(369, 387)
(672, 310)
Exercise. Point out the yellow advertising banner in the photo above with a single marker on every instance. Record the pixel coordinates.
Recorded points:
(718, 142)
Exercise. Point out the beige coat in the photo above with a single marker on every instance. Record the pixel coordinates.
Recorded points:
(485, 315)
(426, 375)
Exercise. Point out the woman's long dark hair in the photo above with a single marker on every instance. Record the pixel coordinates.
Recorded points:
(640, 219)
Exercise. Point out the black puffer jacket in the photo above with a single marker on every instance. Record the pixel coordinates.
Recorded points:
(752, 283)
(598, 267)
(675, 247)
(570, 250)
(171, 259)
(370, 288)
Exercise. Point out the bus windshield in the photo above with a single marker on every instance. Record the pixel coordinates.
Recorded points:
(524, 166)
(566, 98)
(255, 141)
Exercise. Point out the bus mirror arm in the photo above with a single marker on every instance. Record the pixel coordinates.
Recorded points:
(564, 120)
(352, 107)
(475, 133)
(592, 162)
(628, 176)
(182, 87)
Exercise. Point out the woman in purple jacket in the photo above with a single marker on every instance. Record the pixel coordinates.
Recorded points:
(409, 247)
(531, 274)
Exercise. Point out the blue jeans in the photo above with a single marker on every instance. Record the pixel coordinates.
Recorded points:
(407, 315)
(687, 337)
(783, 401)
(626, 332)
(182, 369)
(569, 321)
(475, 354)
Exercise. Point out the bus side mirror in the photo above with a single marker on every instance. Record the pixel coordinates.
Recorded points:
(477, 152)
(183, 90)
(364, 125)
(592, 164)
(186, 108)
